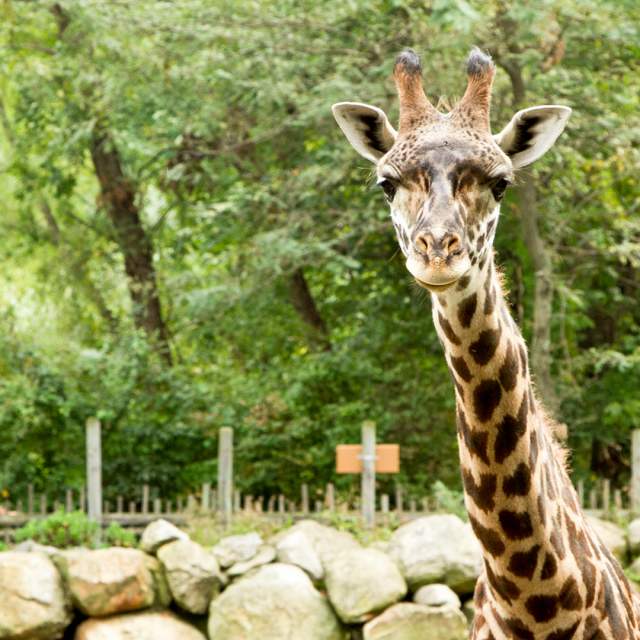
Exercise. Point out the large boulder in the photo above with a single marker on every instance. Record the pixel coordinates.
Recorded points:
(437, 595)
(275, 602)
(192, 573)
(325, 541)
(234, 549)
(160, 532)
(611, 535)
(113, 580)
(633, 534)
(409, 621)
(295, 547)
(265, 555)
(139, 626)
(33, 604)
(361, 582)
(437, 548)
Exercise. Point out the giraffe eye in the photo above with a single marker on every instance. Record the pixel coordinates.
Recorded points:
(498, 188)
(389, 189)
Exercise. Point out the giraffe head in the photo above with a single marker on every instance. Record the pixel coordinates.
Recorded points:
(445, 174)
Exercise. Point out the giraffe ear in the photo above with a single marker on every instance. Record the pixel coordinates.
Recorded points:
(367, 128)
(532, 132)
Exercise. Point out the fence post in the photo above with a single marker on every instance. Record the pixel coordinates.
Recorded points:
(145, 498)
(30, 500)
(606, 496)
(206, 497)
(305, 498)
(635, 471)
(330, 497)
(225, 473)
(94, 471)
(368, 473)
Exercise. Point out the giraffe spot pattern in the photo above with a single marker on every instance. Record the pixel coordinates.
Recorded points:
(448, 330)
(486, 397)
(463, 283)
(523, 359)
(523, 563)
(518, 483)
(542, 608)
(509, 432)
(467, 309)
(613, 613)
(549, 568)
(588, 572)
(570, 598)
(504, 587)
(517, 630)
(488, 538)
(460, 366)
(482, 493)
(564, 634)
(508, 374)
(476, 442)
(484, 348)
(516, 524)
(590, 627)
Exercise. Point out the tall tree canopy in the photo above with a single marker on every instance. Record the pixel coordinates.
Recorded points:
(187, 243)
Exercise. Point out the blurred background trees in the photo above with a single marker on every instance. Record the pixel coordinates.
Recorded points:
(188, 243)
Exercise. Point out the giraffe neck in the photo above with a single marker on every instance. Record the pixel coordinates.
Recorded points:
(517, 492)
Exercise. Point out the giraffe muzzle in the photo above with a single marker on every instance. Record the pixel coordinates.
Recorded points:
(438, 258)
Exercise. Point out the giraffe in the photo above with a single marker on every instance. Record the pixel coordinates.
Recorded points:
(546, 575)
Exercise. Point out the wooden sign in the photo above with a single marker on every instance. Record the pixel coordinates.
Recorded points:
(349, 458)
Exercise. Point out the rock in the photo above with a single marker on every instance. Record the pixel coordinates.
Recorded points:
(361, 582)
(296, 548)
(113, 580)
(160, 532)
(265, 555)
(325, 541)
(437, 548)
(33, 604)
(234, 549)
(192, 573)
(275, 602)
(611, 535)
(32, 545)
(633, 534)
(437, 595)
(409, 621)
(141, 626)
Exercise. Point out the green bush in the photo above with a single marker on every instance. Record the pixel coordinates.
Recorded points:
(60, 530)
(74, 529)
(116, 536)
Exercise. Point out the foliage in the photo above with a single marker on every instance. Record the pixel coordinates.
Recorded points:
(449, 500)
(60, 530)
(74, 529)
(116, 536)
(242, 180)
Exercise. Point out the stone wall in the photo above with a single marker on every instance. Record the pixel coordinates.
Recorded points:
(310, 582)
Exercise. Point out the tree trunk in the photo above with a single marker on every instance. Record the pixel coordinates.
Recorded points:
(543, 268)
(305, 305)
(543, 292)
(118, 199)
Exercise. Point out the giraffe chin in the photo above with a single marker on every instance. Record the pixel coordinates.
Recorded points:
(436, 288)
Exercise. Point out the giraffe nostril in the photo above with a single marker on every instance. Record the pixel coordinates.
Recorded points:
(453, 244)
(422, 243)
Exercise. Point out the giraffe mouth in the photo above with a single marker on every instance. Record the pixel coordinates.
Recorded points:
(436, 288)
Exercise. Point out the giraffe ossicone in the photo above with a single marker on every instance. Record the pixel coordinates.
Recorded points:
(546, 574)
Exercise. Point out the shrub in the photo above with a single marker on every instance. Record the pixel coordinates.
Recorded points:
(116, 536)
(74, 529)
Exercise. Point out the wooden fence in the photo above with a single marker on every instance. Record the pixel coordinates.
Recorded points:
(224, 501)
